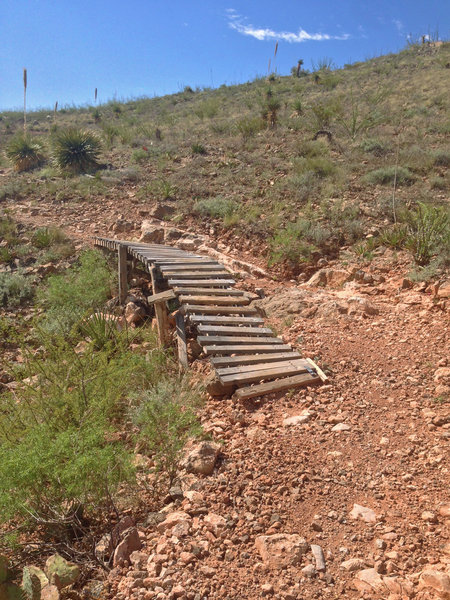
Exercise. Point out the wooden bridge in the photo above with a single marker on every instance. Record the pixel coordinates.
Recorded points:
(248, 358)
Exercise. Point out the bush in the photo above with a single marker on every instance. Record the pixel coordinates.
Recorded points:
(15, 289)
(216, 207)
(428, 232)
(442, 158)
(288, 244)
(198, 148)
(82, 289)
(320, 166)
(76, 150)
(387, 176)
(250, 126)
(25, 153)
(375, 147)
(166, 419)
(44, 237)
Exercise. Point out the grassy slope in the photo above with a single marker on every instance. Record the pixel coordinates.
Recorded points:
(388, 110)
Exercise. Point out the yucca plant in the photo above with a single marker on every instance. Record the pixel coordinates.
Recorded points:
(25, 153)
(76, 150)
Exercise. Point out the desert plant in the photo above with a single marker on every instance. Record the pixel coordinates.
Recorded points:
(15, 288)
(289, 245)
(428, 232)
(76, 150)
(167, 420)
(387, 175)
(216, 207)
(44, 237)
(250, 126)
(25, 153)
(198, 148)
(375, 147)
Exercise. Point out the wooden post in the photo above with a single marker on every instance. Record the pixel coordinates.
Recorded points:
(123, 273)
(181, 339)
(162, 316)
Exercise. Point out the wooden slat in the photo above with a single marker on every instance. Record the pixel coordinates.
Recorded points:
(161, 297)
(230, 330)
(191, 267)
(245, 349)
(169, 262)
(181, 340)
(219, 310)
(198, 291)
(259, 375)
(236, 339)
(319, 371)
(215, 300)
(221, 283)
(249, 359)
(264, 364)
(222, 274)
(276, 386)
(123, 273)
(233, 320)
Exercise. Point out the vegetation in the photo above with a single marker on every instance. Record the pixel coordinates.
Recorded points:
(76, 150)
(25, 153)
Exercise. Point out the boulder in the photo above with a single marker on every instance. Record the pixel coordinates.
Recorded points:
(172, 234)
(134, 313)
(122, 226)
(178, 519)
(202, 458)
(130, 542)
(329, 277)
(61, 572)
(364, 513)
(281, 550)
(162, 210)
(151, 233)
(368, 580)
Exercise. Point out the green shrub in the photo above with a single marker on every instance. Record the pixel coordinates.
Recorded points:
(198, 148)
(375, 147)
(441, 158)
(25, 153)
(15, 289)
(289, 245)
(44, 237)
(141, 156)
(250, 126)
(387, 176)
(166, 419)
(428, 232)
(83, 288)
(439, 183)
(320, 166)
(395, 237)
(76, 150)
(216, 207)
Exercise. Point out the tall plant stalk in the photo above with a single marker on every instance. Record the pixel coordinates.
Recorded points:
(24, 100)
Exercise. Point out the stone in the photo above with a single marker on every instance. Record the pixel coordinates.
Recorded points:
(368, 580)
(215, 523)
(442, 375)
(364, 513)
(162, 210)
(50, 592)
(151, 233)
(352, 564)
(357, 304)
(309, 571)
(429, 516)
(437, 580)
(172, 234)
(319, 558)
(444, 510)
(341, 427)
(297, 419)
(61, 572)
(134, 313)
(122, 226)
(267, 589)
(329, 277)
(174, 519)
(202, 458)
(281, 550)
(130, 542)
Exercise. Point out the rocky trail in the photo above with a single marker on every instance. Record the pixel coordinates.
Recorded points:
(338, 491)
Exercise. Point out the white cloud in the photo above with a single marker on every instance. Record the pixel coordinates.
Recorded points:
(399, 25)
(235, 21)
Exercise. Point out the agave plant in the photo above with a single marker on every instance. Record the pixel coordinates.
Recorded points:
(76, 150)
(25, 153)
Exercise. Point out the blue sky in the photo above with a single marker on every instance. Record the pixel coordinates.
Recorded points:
(154, 47)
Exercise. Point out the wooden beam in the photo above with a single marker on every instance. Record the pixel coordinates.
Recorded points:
(181, 340)
(219, 310)
(215, 300)
(261, 366)
(276, 386)
(286, 370)
(123, 272)
(319, 371)
(219, 320)
(161, 297)
(245, 349)
(250, 359)
(198, 291)
(174, 282)
(236, 339)
(230, 330)
(162, 316)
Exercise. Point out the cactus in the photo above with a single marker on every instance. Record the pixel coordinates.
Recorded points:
(33, 580)
(3, 568)
(11, 591)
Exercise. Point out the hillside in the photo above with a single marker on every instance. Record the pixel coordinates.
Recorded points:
(328, 192)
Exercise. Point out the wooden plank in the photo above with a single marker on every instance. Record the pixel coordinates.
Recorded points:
(249, 359)
(232, 370)
(258, 375)
(215, 300)
(162, 317)
(196, 291)
(276, 386)
(229, 329)
(191, 267)
(169, 262)
(219, 310)
(319, 371)
(222, 274)
(161, 297)
(123, 273)
(236, 339)
(245, 349)
(201, 282)
(232, 320)
(181, 340)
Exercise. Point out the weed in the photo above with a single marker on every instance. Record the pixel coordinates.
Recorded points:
(428, 232)
(441, 158)
(141, 156)
(76, 150)
(44, 237)
(375, 147)
(395, 237)
(15, 288)
(387, 176)
(288, 245)
(217, 207)
(25, 153)
(198, 148)
(439, 183)
(249, 126)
